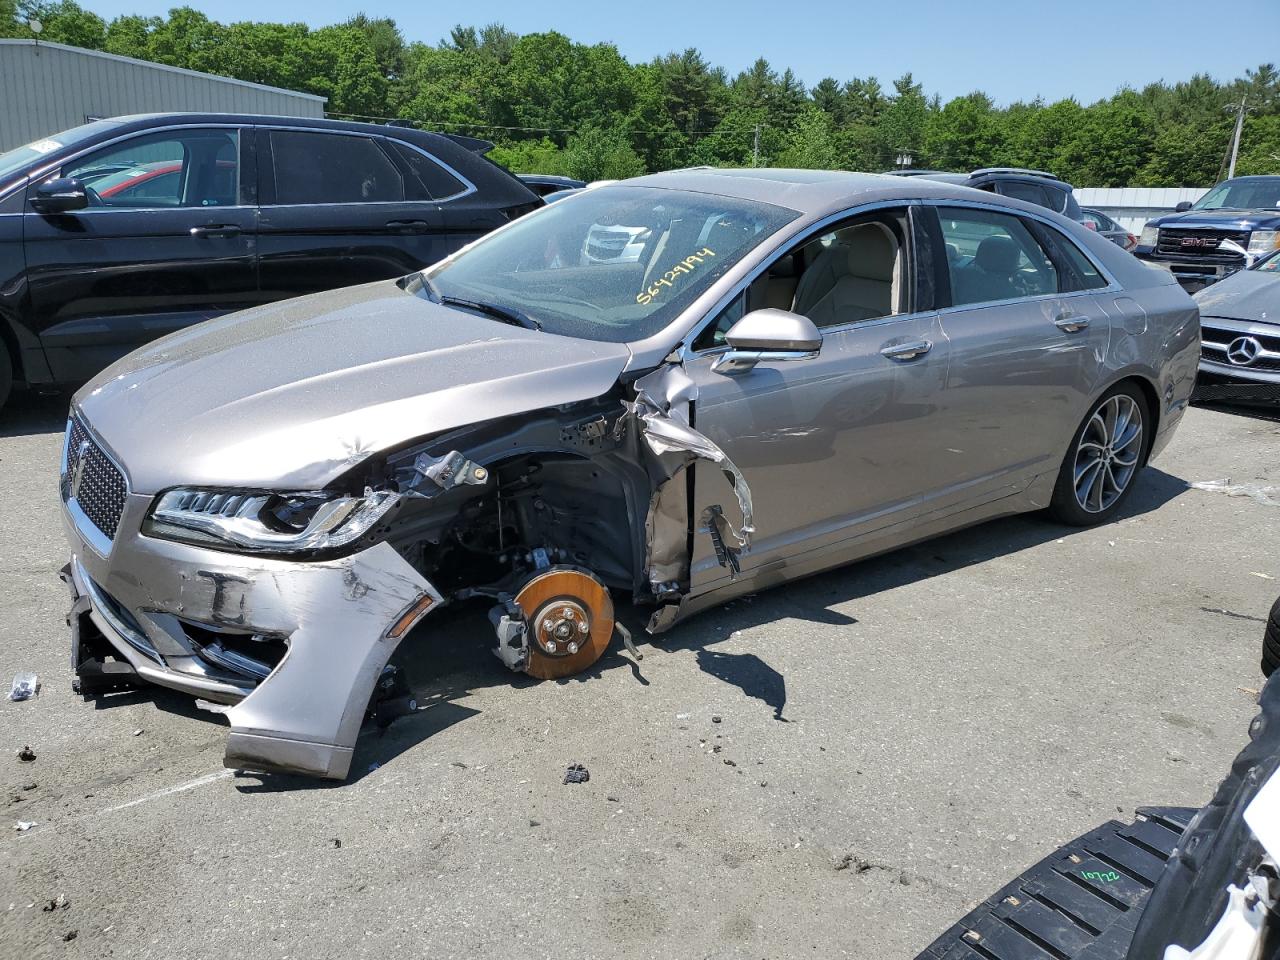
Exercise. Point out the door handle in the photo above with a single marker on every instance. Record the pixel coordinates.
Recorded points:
(911, 350)
(216, 230)
(1072, 323)
(408, 226)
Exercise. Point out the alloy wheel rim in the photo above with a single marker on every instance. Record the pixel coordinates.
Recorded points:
(1107, 454)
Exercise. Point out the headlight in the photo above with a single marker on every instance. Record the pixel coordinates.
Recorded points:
(1263, 241)
(282, 523)
(1150, 235)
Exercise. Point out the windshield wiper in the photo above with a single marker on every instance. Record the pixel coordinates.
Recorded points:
(517, 318)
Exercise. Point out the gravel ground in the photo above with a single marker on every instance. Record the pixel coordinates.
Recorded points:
(949, 713)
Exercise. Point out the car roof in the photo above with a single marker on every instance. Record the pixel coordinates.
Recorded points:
(140, 121)
(812, 192)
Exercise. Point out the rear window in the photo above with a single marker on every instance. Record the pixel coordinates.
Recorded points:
(427, 180)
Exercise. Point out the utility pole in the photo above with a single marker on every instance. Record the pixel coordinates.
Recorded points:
(755, 149)
(1235, 138)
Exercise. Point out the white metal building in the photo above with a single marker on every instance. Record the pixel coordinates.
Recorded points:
(47, 87)
(1132, 207)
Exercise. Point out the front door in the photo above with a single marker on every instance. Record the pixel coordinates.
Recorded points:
(339, 209)
(828, 445)
(166, 241)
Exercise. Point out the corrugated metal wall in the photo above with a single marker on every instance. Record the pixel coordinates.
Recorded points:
(47, 87)
(1132, 207)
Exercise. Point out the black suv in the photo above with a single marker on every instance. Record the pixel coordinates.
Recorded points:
(1229, 227)
(119, 231)
(1033, 186)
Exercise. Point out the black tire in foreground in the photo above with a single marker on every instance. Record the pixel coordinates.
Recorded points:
(1106, 455)
(1271, 642)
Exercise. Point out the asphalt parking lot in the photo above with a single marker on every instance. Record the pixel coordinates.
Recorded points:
(947, 714)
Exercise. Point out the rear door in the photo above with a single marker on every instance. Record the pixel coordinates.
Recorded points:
(339, 208)
(1026, 340)
(167, 241)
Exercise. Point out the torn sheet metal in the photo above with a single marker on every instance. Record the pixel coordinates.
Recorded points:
(661, 408)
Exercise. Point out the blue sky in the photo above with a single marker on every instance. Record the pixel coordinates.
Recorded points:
(1014, 51)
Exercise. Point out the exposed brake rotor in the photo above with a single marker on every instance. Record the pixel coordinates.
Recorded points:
(568, 621)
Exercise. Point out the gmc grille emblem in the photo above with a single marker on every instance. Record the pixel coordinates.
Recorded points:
(1199, 242)
(78, 475)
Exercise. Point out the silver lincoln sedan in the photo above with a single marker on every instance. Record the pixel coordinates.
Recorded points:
(796, 370)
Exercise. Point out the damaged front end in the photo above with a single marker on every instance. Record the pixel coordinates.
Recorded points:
(287, 607)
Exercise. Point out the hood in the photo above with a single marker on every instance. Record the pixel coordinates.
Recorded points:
(1252, 295)
(1220, 219)
(291, 395)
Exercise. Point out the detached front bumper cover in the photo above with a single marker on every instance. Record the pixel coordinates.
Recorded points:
(341, 619)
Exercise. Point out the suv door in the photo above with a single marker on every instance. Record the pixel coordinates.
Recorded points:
(1027, 340)
(339, 209)
(166, 241)
(830, 446)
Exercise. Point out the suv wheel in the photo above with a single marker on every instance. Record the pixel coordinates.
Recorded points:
(1271, 642)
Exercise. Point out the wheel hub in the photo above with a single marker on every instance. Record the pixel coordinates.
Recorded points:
(561, 626)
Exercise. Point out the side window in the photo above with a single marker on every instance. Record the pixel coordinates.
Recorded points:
(1075, 270)
(854, 272)
(993, 256)
(188, 168)
(427, 179)
(1030, 192)
(332, 168)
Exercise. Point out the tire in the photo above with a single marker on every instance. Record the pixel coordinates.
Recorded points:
(6, 373)
(1271, 642)
(1111, 464)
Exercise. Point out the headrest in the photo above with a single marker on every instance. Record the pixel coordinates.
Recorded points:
(997, 255)
(873, 251)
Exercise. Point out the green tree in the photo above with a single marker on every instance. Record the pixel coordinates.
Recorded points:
(597, 154)
(963, 135)
(66, 22)
(903, 122)
(531, 156)
(811, 143)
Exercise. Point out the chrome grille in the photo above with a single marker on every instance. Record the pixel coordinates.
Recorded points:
(1199, 242)
(92, 480)
(1215, 342)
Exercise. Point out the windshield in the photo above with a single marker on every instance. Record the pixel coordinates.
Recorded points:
(1242, 195)
(611, 263)
(19, 158)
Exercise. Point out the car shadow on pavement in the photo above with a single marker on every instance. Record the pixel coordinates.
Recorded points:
(449, 656)
(29, 414)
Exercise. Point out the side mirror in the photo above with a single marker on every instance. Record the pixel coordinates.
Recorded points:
(1182, 207)
(60, 195)
(768, 335)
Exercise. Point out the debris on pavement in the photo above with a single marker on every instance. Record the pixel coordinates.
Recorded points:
(1265, 494)
(715, 719)
(26, 754)
(22, 826)
(335, 843)
(138, 732)
(25, 686)
(576, 773)
(59, 903)
(70, 935)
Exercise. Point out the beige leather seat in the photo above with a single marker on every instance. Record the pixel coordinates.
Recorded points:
(856, 278)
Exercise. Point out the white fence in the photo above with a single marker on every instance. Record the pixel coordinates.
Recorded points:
(1132, 207)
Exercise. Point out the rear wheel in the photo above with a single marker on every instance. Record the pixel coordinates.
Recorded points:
(1105, 456)
(1271, 642)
